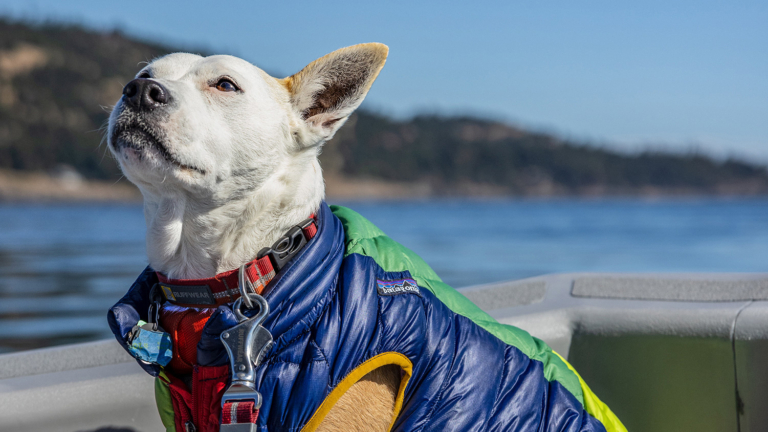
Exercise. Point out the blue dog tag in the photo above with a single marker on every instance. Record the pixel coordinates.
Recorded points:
(150, 345)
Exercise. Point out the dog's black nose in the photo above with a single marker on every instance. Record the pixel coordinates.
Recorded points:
(145, 94)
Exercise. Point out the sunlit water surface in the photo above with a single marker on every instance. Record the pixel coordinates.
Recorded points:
(63, 266)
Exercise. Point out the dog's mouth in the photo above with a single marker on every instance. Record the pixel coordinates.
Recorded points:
(143, 140)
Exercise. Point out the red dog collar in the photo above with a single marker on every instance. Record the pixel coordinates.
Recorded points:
(223, 288)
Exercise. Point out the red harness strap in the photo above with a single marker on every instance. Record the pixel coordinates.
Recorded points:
(239, 412)
(198, 410)
(185, 325)
(190, 303)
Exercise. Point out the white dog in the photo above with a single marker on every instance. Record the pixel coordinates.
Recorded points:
(226, 159)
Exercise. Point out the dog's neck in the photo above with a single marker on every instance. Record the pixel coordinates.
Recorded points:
(189, 238)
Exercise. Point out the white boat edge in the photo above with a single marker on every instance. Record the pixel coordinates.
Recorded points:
(96, 386)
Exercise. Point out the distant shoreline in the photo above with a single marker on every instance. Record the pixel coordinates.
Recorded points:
(28, 187)
(21, 186)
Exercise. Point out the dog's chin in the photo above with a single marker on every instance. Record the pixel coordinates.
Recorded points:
(142, 151)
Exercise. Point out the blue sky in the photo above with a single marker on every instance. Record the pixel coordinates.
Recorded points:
(677, 74)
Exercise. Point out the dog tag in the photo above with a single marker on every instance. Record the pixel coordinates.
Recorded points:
(149, 344)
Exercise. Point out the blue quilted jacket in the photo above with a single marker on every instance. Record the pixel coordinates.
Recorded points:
(338, 313)
(354, 300)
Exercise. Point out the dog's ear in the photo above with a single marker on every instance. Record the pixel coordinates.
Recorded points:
(330, 88)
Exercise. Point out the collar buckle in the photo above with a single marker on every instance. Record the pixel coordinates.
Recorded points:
(287, 246)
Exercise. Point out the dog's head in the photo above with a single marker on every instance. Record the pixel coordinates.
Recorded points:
(218, 127)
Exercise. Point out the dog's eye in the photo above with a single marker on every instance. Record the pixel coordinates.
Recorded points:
(226, 85)
(144, 75)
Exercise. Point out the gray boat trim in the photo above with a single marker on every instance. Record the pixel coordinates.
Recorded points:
(689, 348)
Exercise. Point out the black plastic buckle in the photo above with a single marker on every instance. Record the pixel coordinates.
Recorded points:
(155, 300)
(287, 246)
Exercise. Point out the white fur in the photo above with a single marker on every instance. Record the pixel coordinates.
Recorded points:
(246, 166)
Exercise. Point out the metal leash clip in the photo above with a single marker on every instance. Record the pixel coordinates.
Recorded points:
(246, 343)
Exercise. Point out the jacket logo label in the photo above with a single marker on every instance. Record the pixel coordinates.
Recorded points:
(395, 287)
(198, 294)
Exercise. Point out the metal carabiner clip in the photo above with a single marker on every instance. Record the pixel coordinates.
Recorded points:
(246, 343)
(245, 286)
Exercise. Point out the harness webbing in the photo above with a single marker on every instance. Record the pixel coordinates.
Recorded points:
(239, 413)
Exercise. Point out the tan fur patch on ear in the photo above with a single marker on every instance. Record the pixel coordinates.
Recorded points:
(335, 78)
(287, 82)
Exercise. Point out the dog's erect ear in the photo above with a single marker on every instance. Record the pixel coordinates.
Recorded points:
(330, 88)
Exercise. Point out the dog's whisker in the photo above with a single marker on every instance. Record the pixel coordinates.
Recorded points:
(122, 176)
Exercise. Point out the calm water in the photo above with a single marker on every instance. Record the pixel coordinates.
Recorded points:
(63, 266)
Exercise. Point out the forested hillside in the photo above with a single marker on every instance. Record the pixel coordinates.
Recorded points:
(451, 152)
(57, 84)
